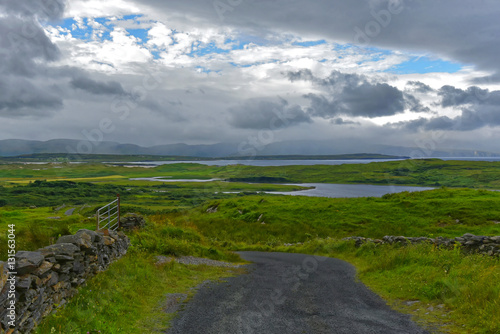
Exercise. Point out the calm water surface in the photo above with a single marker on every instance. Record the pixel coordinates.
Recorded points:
(265, 163)
(348, 190)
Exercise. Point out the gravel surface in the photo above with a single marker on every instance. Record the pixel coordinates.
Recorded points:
(208, 262)
(194, 261)
(287, 294)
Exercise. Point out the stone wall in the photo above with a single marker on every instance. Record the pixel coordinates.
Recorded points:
(468, 242)
(48, 277)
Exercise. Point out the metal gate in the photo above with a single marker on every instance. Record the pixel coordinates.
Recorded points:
(108, 217)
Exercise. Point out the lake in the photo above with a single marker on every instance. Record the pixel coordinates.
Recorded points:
(265, 163)
(348, 190)
(320, 189)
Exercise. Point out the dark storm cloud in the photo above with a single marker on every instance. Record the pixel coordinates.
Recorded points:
(483, 116)
(341, 121)
(355, 95)
(262, 114)
(462, 30)
(24, 51)
(45, 9)
(452, 96)
(23, 44)
(18, 94)
(98, 87)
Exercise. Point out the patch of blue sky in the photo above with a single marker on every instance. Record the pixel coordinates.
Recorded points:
(309, 43)
(156, 54)
(422, 65)
(85, 33)
(206, 49)
(131, 17)
(141, 34)
(341, 47)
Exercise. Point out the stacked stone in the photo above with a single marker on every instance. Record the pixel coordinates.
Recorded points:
(131, 221)
(469, 242)
(48, 277)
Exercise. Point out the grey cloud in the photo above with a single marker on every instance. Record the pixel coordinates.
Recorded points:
(419, 87)
(22, 47)
(355, 95)
(47, 9)
(24, 50)
(341, 121)
(452, 96)
(97, 87)
(480, 109)
(19, 97)
(461, 30)
(413, 104)
(483, 116)
(263, 114)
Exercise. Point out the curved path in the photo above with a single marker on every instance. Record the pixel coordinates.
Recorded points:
(287, 294)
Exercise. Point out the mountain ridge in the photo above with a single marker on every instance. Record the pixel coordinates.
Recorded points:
(17, 147)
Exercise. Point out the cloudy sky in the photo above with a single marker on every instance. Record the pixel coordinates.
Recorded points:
(149, 72)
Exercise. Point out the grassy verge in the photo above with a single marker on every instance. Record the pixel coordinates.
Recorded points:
(128, 297)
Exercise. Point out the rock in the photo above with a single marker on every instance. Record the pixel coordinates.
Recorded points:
(4, 274)
(44, 267)
(108, 241)
(412, 302)
(23, 282)
(83, 240)
(213, 209)
(94, 236)
(59, 249)
(64, 258)
(132, 220)
(161, 260)
(27, 262)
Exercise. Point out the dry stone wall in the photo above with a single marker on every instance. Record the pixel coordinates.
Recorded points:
(45, 279)
(469, 242)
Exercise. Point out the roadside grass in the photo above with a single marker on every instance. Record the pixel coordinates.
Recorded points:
(456, 292)
(273, 220)
(128, 297)
(34, 229)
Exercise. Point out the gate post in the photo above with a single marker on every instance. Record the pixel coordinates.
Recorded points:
(119, 223)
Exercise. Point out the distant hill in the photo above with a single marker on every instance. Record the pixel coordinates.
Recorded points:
(16, 147)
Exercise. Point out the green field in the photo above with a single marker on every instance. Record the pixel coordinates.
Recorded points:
(179, 222)
(430, 172)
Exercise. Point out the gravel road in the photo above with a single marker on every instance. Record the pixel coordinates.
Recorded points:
(287, 294)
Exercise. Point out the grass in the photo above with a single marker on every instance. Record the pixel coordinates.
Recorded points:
(429, 172)
(128, 297)
(34, 228)
(291, 219)
(179, 224)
